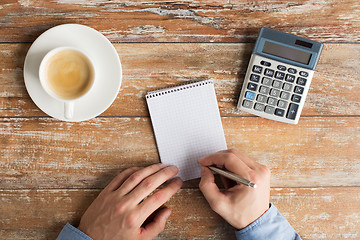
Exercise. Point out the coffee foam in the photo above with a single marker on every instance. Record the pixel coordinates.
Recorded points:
(69, 74)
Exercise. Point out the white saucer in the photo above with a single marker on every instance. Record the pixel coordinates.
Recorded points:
(107, 67)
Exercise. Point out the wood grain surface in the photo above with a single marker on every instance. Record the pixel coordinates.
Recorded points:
(53, 154)
(50, 171)
(333, 91)
(184, 21)
(41, 214)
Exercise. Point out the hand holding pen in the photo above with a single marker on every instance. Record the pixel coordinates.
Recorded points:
(232, 176)
(239, 204)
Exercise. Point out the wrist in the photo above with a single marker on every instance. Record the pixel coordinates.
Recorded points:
(83, 229)
(247, 222)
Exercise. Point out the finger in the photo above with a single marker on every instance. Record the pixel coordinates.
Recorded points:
(149, 184)
(155, 227)
(150, 204)
(120, 178)
(230, 161)
(210, 190)
(227, 182)
(135, 178)
(251, 163)
(248, 161)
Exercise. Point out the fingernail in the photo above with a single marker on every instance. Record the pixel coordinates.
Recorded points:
(173, 167)
(167, 214)
(162, 165)
(179, 181)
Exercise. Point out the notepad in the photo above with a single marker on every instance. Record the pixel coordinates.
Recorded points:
(187, 125)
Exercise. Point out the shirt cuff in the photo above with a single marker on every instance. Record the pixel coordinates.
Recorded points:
(70, 232)
(271, 225)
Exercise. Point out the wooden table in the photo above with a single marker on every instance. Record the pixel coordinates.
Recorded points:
(52, 170)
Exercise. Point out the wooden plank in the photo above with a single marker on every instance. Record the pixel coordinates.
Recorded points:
(44, 153)
(152, 66)
(183, 21)
(315, 213)
(320, 213)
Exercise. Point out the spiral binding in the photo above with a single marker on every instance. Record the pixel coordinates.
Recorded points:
(166, 91)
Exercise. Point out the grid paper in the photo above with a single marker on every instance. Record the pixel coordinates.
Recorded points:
(187, 125)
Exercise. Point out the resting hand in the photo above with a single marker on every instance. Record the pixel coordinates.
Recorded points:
(239, 205)
(123, 206)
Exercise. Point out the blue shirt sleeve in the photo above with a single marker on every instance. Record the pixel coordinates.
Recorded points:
(271, 225)
(72, 233)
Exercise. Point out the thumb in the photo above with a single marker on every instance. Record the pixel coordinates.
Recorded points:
(155, 227)
(212, 194)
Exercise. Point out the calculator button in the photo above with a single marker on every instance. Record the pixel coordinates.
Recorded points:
(269, 110)
(279, 75)
(303, 74)
(250, 95)
(274, 92)
(285, 95)
(301, 81)
(259, 107)
(279, 112)
(290, 78)
(299, 90)
(257, 69)
(296, 98)
(282, 104)
(264, 90)
(261, 98)
(266, 81)
(254, 78)
(292, 70)
(281, 67)
(252, 86)
(264, 63)
(247, 104)
(269, 72)
(276, 84)
(287, 87)
(293, 108)
(272, 101)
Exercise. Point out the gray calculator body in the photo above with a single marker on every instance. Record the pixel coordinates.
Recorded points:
(279, 76)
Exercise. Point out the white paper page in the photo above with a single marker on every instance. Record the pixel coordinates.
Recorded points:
(187, 125)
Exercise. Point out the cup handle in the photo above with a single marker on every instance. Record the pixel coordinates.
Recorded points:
(69, 110)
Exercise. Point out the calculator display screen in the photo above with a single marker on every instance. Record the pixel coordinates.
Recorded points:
(286, 52)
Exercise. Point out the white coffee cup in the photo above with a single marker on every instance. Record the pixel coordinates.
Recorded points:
(67, 74)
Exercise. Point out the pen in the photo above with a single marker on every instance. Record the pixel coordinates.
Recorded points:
(232, 176)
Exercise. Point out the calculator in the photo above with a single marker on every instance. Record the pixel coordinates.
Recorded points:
(279, 75)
